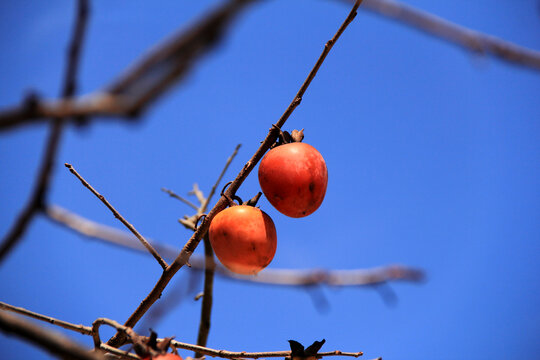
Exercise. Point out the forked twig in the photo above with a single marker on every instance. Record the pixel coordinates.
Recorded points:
(120, 217)
(193, 242)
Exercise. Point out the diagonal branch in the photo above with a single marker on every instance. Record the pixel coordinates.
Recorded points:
(476, 41)
(120, 217)
(41, 188)
(192, 243)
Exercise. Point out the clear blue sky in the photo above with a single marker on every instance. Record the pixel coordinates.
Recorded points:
(433, 156)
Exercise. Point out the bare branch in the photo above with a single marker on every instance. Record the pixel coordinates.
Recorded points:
(458, 35)
(208, 294)
(144, 82)
(205, 204)
(119, 217)
(280, 277)
(225, 354)
(21, 327)
(178, 197)
(41, 188)
(192, 243)
(85, 330)
(254, 355)
(45, 338)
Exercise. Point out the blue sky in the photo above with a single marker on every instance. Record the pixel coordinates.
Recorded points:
(433, 156)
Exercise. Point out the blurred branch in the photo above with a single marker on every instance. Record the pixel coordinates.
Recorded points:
(475, 41)
(283, 277)
(152, 75)
(45, 338)
(41, 188)
(119, 217)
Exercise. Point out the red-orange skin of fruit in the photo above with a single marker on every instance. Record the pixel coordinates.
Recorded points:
(168, 356)
(243, 238)
(293, 177)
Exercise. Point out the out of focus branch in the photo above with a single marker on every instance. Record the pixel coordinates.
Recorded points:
(131, 93)
(283, 277)
(45, 338)
(475, 41)
(37, 199)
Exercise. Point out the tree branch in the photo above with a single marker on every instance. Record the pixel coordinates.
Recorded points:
(475, 41)
(45, 338)
(41, 188)
(132, 92)
(85, 330)
(207, 300)
(120, 217)
(192, 243)
(279, 277)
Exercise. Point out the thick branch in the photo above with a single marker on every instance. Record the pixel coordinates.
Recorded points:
(459, 35)
(41, 188)
(45, 338)
(120, 217)
(222, 203)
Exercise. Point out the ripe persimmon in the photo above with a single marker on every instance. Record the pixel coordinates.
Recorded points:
(293, 177)
(243, 238)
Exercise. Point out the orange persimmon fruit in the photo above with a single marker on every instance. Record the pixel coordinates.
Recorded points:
(243, 238)
(293, 177)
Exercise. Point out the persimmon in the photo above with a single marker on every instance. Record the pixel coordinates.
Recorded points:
(293, 177)
(243, 238)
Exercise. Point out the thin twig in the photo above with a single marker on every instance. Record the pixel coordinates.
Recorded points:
(254, 355)
(123, 354)
(192, 243)
(119, 217)
(476, 41)
(205, 204)
(45, 338)
(279, 277)
(41, 188)
(178, 197)
(94, 332)
(81, 329)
